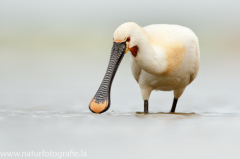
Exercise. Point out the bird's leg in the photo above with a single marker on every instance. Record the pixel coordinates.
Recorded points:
(174, 105)
(145, 106)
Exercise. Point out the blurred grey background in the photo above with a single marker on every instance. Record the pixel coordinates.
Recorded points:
(54, 54)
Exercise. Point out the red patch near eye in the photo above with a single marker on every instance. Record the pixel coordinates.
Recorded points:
(134, 51)
(128, 39)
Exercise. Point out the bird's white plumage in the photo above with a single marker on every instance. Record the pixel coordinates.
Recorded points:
(168, 56)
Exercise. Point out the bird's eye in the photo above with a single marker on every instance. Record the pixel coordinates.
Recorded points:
(128, 39)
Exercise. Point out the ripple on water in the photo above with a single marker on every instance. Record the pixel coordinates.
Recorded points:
(76, 114)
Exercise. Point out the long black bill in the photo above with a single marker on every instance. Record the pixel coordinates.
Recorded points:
(101, 101)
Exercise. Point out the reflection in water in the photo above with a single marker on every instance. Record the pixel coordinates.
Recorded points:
(180, 135)
(62, 114)
(184, 114)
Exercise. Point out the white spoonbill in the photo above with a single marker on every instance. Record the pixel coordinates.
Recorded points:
(163, 57)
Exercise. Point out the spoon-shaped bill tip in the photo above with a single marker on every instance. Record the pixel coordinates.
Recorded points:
(98, 107)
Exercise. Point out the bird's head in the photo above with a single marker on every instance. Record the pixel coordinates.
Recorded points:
(125, 38)
(127, 33)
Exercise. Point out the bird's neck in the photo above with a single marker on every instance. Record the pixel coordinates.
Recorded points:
(150, 58)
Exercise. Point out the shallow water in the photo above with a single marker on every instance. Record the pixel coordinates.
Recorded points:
(44, 106)
(123, 134)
